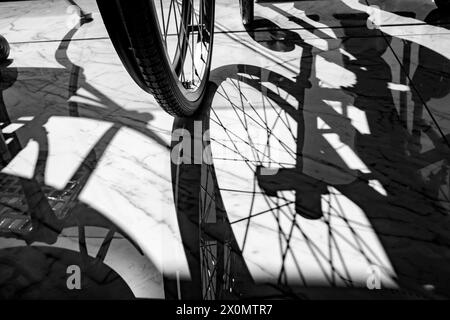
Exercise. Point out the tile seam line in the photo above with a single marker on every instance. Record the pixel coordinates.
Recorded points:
(58, 40)
(225, 32)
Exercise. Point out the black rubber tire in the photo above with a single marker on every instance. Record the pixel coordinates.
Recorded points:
(144, 54)
(247, 11)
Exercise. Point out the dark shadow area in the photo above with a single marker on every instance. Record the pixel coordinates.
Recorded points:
(36, 213)
(37, 273)
(431, 80)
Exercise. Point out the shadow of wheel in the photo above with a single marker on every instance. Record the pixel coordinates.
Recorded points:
(217, 266)
(41, 273)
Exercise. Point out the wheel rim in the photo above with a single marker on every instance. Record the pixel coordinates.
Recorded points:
(186, 28)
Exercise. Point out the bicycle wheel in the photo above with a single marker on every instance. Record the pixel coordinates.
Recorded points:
(166, 46)
(247, 11)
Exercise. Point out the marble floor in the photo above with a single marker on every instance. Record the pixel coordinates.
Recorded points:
(323, 170)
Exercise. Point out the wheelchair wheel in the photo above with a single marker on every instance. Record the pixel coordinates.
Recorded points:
(166, 46)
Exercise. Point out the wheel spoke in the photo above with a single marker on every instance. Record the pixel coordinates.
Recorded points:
(191, 21)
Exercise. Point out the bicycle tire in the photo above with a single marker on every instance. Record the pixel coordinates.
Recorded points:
(136, 35)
